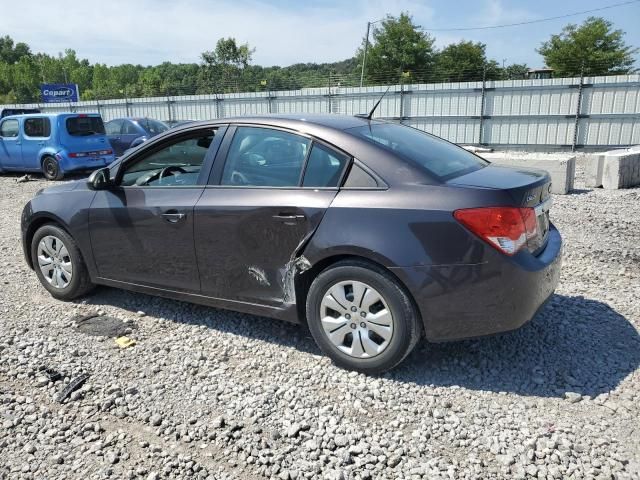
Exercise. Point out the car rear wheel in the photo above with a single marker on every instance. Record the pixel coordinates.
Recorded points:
(59, 264)
(361, 318)
(51, 168)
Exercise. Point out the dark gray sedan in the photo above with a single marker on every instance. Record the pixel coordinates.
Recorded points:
(371, 233)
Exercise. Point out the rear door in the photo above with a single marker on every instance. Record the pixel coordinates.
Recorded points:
(10, 144)
(142, 229)
(257, 212)
(36, 133)
(129, 132)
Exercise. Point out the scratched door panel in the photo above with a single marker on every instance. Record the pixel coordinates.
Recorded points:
(246, 239)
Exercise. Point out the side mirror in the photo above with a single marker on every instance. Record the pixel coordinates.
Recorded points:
(99, 179)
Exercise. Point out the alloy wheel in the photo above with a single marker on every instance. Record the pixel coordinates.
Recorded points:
(54, 262)
(356, 319)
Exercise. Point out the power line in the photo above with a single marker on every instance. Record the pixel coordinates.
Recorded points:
(540, 20)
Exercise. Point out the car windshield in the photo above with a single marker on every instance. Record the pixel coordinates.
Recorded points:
(435, 155)
(153, 127)
(84, 126)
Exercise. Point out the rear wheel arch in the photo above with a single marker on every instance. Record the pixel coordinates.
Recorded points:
(43, 159)
(304, 279)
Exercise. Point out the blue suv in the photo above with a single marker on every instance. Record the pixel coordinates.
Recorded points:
(55, 144)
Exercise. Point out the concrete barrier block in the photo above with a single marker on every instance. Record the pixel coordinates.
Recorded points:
(621, 169)
(562, 170)
(593, 168)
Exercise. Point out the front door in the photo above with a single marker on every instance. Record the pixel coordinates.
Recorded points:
(142, 229)
(251, 223)
(10, 144)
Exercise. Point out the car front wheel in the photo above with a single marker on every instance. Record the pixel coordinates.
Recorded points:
(361, 318)
(59, 264)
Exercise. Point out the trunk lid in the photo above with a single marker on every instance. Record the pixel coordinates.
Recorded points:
(528, 187)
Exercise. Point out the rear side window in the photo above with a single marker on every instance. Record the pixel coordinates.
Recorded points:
(9, 128)
(84, 126)
(358, 178)
(37, 127)
(324, 167)
(263, 157)
(438, 157)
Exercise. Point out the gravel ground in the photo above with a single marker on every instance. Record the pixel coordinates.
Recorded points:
(212, 394)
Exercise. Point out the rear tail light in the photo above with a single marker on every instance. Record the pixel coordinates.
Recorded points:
(504, 228)
(90, 154)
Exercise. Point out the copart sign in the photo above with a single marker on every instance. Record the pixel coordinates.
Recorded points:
(59, 92)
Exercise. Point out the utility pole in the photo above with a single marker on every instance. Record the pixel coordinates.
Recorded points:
(364, 55)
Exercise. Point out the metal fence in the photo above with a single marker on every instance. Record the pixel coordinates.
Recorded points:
(588, 112)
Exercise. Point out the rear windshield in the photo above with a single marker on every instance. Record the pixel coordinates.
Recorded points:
(435, 155)
(153, 127)
(85, 126)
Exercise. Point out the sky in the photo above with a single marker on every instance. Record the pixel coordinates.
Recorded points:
(284, 32)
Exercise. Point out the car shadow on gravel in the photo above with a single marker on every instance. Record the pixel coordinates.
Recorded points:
(574, 344)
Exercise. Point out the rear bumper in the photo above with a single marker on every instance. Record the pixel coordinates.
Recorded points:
(498, 295)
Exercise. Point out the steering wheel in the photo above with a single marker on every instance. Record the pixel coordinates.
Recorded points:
(169, 171)
(239, 178)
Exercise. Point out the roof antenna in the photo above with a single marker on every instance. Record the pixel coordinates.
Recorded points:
(370, 115)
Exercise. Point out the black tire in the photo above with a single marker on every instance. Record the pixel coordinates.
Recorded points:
(406, 321)
(80, 283)
(51, 168)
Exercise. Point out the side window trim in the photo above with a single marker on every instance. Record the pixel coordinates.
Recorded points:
(215, 176)
(158, 146)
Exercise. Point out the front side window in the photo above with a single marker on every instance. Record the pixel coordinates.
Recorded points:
(177, 164)
(83, 126)
(438, 157)
(37, 127)
(9, 128)
(113, 127)
(324, 167)
(264, 157)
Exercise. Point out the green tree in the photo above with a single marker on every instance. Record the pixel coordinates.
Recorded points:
(465, 62)
(594, 44)
(10, 52)
(224, 65)
(398, 46)
(515, 71)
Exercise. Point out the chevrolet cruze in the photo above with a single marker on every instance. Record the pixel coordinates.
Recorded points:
(371, 233)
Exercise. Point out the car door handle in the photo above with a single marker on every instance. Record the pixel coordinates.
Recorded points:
(172, 216)
(288, 218)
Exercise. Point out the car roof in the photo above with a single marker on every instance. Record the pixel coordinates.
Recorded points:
(333, 121)
(52, 115)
